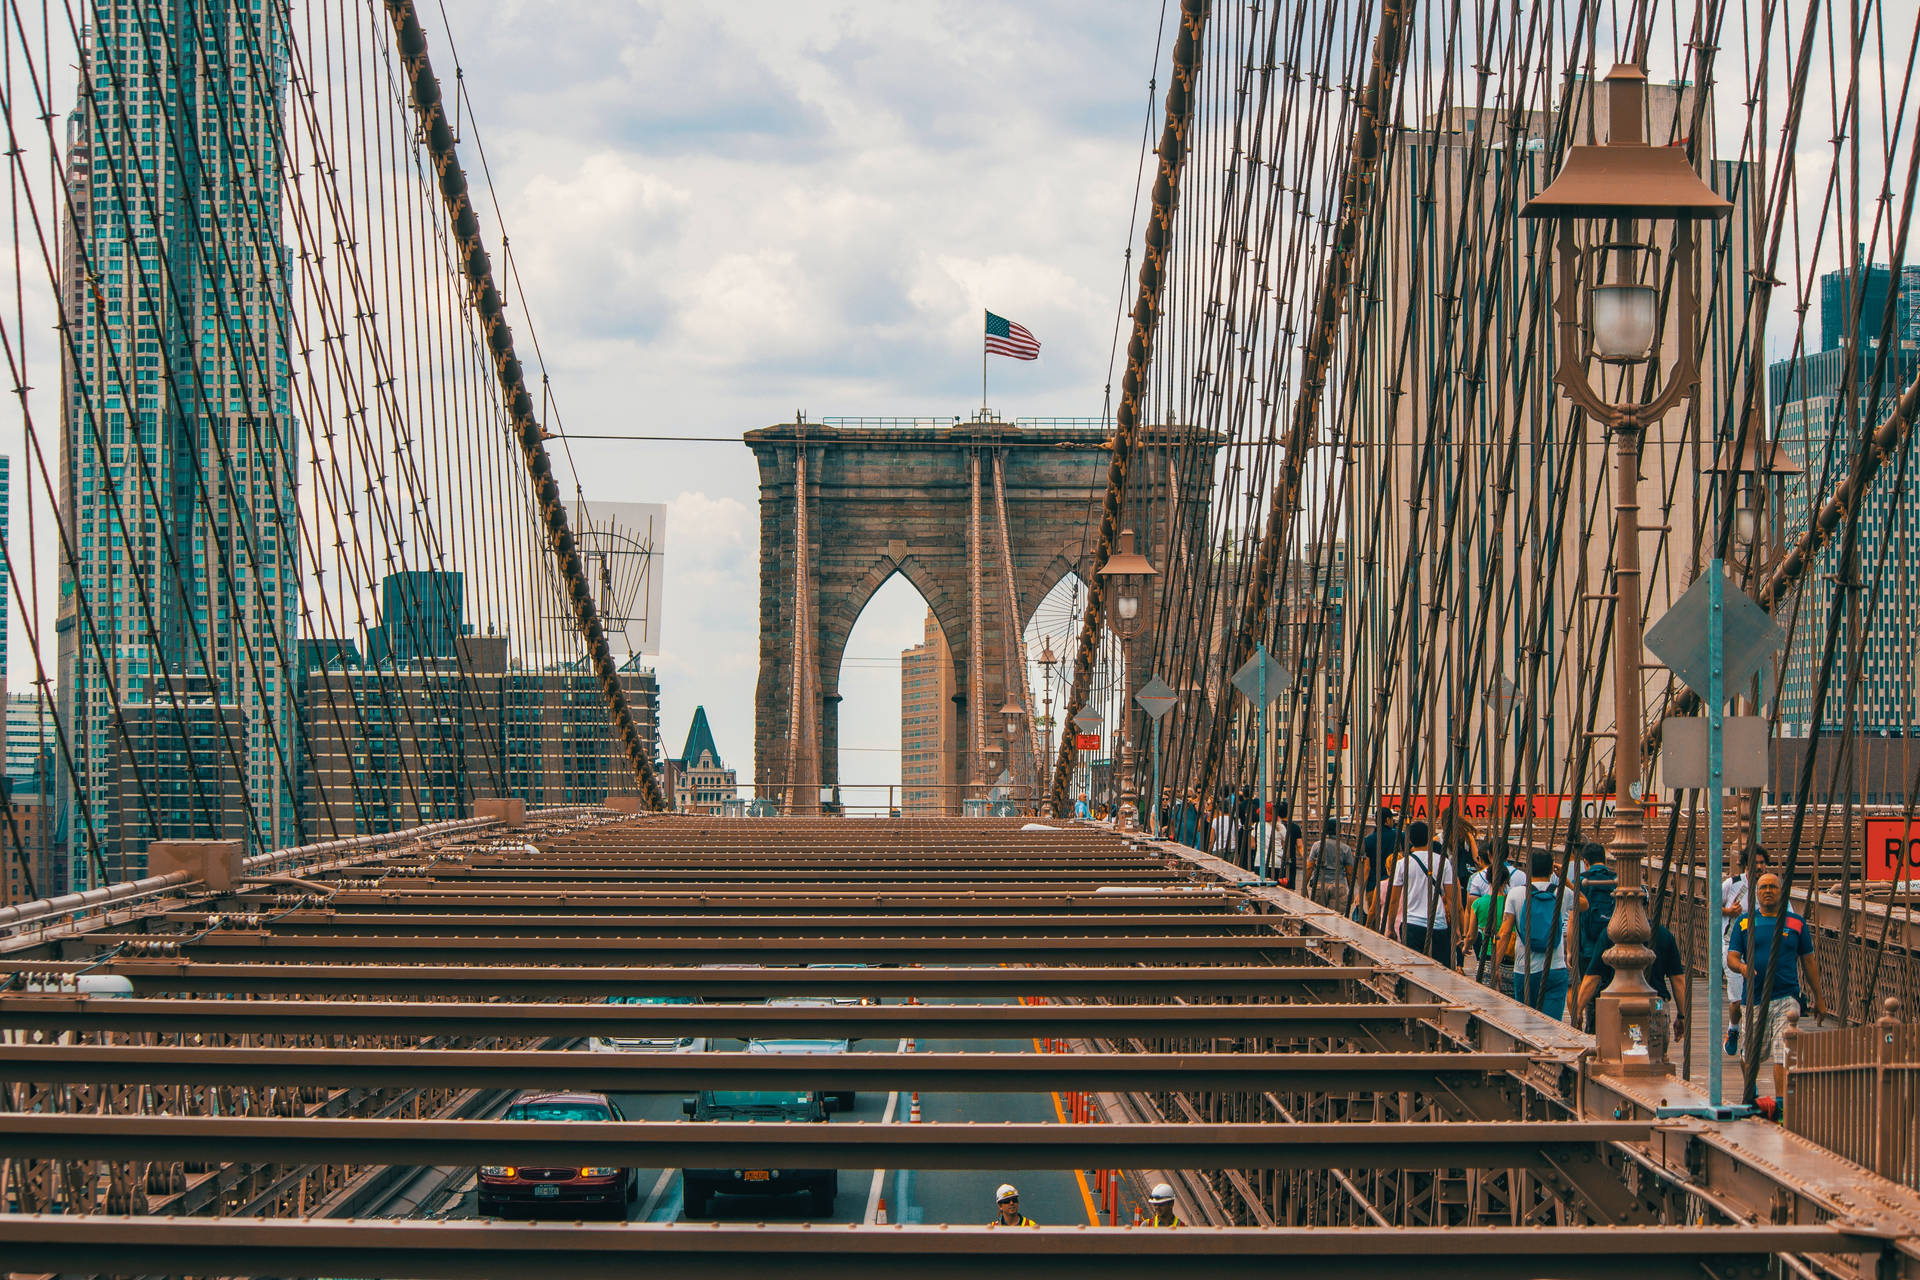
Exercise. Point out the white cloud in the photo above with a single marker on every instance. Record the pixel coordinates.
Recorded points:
(722, 214)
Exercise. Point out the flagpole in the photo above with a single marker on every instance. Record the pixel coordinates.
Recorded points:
(983, 362)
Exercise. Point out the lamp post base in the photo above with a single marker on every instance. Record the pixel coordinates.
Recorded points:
(1631, 1034)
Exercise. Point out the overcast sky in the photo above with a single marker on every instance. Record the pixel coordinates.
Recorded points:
(726, 213)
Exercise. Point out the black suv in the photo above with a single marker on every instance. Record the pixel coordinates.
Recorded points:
(698, 1187)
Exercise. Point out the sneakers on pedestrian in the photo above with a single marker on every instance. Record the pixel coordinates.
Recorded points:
(1733, 1040)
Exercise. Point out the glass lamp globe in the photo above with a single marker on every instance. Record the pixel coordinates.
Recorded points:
(1127, 605)
(1624, 320)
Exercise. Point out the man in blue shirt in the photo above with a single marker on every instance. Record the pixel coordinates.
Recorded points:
(1747, 949)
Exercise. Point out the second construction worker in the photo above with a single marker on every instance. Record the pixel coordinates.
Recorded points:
(1160, 1203)
(1007, 1202)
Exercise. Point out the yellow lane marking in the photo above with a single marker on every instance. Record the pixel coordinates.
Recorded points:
(1079, 1175)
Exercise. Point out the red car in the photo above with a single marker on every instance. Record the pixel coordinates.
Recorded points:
(518, 1191)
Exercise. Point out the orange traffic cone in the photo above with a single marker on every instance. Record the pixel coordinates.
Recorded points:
(913, 1110)
(880, 1217)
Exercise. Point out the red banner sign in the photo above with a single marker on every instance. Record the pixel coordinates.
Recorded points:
(1481, 809)
(1338, 741)
(1893, 849)
(1086, 741)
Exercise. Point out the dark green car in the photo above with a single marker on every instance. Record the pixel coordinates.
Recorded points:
(698, 1187)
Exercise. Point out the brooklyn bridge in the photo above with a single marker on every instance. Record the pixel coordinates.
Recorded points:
(1419, 775)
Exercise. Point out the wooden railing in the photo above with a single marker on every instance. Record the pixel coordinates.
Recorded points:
(1856, 1092)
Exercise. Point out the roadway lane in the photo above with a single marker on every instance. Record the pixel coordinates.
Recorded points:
(950, 1196)
(965, 1196)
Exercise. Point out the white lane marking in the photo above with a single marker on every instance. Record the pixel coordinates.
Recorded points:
(659, 1189)
(880, 1175)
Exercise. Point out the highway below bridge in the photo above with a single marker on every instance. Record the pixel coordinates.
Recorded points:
(294, 1065)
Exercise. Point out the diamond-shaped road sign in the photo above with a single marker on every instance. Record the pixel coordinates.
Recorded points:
(1247, 679)
(1749, 635)
(1087, 722)
(1156, 697)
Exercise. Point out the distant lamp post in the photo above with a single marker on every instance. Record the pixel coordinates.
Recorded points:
(1130, 582)
(1753, 484)
(1047, 660)
(1595, 201)
(1753, 489)
(1012, 714)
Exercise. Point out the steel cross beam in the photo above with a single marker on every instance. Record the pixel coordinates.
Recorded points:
(689, 1072)
(52, 1013)
(952, 879)
(729, 1144)
(345, 923)
(243, 945)
(426, 896)
(479, 1251)
(560, 981)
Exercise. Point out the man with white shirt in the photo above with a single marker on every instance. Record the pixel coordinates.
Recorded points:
(1426, 897)
(1225, 831)
(1735, 898)
(1494, 859)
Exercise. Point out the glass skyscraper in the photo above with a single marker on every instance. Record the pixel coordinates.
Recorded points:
(179, 446)
(1815, 416)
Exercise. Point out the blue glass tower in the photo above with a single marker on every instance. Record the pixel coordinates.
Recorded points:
(179, 448)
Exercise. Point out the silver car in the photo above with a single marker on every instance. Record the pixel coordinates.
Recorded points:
(648, 1044)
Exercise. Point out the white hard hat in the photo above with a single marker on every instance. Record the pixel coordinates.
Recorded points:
(1161, 1194)
(1006, 1192)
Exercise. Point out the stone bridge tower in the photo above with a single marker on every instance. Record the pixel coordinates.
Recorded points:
(957, 509)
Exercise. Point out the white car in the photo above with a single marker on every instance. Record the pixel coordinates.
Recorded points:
(842, 1098)
(855, 1000)
(648, 1044)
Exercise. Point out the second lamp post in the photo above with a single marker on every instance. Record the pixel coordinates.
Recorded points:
(1129, 585)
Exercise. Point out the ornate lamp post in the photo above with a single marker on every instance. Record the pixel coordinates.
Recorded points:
(1047, 658)
(1595, 202)
(1131, 584)
(1011, 715)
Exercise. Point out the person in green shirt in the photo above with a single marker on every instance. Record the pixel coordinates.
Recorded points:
(1485, 915)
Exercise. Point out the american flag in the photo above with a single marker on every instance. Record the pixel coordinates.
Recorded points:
(1005, 338)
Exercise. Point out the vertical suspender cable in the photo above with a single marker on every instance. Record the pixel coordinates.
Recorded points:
(1356, 200)
(465, 225)
(1146, 314)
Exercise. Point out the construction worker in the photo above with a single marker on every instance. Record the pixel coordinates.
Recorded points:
(1160, 1202)
(1007, 1198)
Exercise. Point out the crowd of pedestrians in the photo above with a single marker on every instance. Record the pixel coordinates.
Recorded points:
(1509, 918)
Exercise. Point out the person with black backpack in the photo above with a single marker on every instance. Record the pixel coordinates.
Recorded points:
(1535, 931)
(1597, 882)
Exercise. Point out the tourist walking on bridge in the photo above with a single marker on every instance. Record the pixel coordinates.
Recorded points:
(1187, 821)
(1375, 852)
(1329, 872)
(1736, 901)
(1535, 930)
(1752, 943)
(1425, 904)
(1226, 828)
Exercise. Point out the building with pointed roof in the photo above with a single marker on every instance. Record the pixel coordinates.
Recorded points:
(698, 781)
